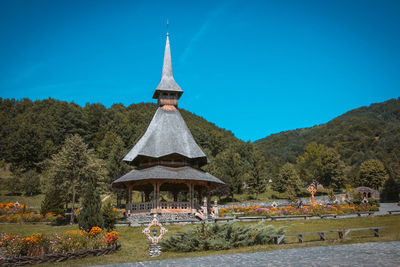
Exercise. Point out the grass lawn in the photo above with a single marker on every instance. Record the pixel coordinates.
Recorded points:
(30, 201)
(135, 246)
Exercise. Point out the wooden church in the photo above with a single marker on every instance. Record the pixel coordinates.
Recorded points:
(167, 158)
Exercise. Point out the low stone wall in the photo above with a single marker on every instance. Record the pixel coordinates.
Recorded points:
(18, 261)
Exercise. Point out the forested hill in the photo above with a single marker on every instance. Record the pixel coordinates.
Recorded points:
(358, 135)
(31, 131)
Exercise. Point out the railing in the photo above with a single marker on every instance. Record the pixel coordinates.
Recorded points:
(148, 206)
(140, 207)
(175, 205)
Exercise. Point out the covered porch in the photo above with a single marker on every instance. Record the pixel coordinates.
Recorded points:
(167, 196)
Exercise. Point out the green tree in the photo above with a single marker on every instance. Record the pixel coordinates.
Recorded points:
(372, 174)
(288, 180)
(228, 166)
(52, 202)
(322, 164)
(112, 150)
(14, 184)
(30, 182)
(69, 168)
(90, 215)
(255, 176)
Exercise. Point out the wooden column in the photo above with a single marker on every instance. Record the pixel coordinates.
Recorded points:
(154, 195)
(200, 195)
(192, 196)
(127, 195)
(208, 200)
(189, 185)
(158, 195)
(130, 194)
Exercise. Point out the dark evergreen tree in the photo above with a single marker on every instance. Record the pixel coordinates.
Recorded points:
(90, 215)
(52, 202)
(255, 176)
(229, 167)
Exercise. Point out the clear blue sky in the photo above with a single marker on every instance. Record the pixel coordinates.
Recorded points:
(253, 67)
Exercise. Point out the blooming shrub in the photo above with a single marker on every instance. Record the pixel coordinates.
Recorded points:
(39, 244)
(18, 213)
(112, 237)
(304, 210)
(94, 231)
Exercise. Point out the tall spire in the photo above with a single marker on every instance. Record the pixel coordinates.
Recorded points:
(167, 83)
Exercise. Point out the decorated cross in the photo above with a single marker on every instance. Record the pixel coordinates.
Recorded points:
(154, 223)
(312, 189)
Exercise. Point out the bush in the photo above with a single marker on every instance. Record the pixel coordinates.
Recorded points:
(110, 216)
(331, 195)
(358, 200)
(220, 237)
(39, 244)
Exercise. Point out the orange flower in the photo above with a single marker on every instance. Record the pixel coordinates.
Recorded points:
(94, 231)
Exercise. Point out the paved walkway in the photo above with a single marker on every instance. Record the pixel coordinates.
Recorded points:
(364, 254)
(385, 207)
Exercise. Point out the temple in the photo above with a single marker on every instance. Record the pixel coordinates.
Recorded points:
(168, 159)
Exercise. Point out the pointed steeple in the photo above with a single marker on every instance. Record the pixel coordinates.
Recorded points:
(167, 86)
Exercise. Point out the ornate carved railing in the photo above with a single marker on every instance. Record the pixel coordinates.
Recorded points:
(175, 205)
(148, 206)
(140, 207)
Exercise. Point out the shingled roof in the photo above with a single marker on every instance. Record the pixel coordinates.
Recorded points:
(160, 172)
(167, 79)
(167, 134)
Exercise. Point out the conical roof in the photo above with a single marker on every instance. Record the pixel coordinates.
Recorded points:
(167, 134)
(168, 82)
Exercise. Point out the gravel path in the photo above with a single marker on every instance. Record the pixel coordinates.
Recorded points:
(364, 254)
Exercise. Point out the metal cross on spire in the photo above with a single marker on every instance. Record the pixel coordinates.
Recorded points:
(167, 27)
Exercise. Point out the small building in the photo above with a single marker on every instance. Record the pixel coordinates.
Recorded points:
(367, 192)
(167, 158)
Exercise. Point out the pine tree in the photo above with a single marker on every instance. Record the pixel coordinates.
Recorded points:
(72, 167)
(91, 215)
(52, 202)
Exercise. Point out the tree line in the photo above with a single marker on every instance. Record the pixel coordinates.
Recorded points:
(357, 136)
(35, 136)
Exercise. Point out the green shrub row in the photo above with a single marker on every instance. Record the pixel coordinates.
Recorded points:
(220, 237)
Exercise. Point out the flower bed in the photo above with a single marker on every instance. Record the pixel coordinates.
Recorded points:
(39, 245)
(18, 261)
(17, 213)
(316, 210)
